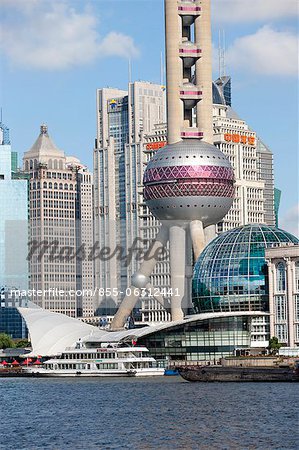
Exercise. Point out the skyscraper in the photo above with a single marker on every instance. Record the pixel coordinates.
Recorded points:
(251, 159)
(85, 236)
(13, 220)
(122, 118)
(55, 226)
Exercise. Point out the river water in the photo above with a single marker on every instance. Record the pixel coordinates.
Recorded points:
(157, 413)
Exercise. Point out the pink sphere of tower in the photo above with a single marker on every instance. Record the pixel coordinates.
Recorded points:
(189, 180)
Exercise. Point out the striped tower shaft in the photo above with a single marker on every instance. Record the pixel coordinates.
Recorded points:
(188, 70)
(173, 71)
(203, 72)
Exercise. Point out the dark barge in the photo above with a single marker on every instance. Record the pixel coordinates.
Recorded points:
(237, 373)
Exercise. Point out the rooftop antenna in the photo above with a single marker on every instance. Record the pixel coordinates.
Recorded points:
(1, 114)
(221, 53)
(130, 70)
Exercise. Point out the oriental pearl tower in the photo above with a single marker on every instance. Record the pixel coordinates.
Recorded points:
(189, 183)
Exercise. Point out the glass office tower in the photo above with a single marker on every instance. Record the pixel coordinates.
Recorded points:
(13, 220)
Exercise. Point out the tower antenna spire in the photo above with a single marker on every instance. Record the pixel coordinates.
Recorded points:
(219, 53)
(130, 70)
(223, 54)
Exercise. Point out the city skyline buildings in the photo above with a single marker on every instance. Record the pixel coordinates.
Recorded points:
(120, 190)
(254, 202)
(254, 83)
(188, 90)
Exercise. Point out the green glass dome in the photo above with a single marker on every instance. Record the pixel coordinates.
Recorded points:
(231, 272)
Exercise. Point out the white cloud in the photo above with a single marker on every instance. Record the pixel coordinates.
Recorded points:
(52, 35)
(290, 221)
(117, 44)
(267, 52)
(232, 11)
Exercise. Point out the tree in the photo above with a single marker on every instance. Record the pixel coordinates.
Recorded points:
(22, 343)
(6, 341)
(274, 345)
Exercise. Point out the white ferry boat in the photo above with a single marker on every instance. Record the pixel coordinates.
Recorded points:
(109, 360)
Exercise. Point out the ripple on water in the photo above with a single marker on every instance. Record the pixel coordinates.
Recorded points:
(163, 413)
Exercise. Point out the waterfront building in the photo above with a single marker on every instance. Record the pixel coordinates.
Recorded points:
(13, 219)
(122, 117)
(55, 224)
(283, 275)
(204, 338)
(231, 274)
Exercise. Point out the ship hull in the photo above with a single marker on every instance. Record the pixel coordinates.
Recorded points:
(237, 374)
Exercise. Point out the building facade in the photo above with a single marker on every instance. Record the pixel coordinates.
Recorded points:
(231, 275)
(204, 338)
(122, 118)
(252, 161)
(85, 263)
(283, 273)
(13, 219)
(11, 321)
(55, 226)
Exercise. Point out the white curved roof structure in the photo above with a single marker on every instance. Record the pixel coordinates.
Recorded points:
(51, 333)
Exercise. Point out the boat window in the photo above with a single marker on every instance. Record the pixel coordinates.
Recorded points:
(107, 366)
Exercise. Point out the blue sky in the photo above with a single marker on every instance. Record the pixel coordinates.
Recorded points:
(55, 54)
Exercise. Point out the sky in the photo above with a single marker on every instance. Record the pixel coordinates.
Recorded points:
(56, 53)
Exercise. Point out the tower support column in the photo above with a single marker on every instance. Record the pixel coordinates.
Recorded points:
(197, 237)
(140, 279)
(177, 247)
